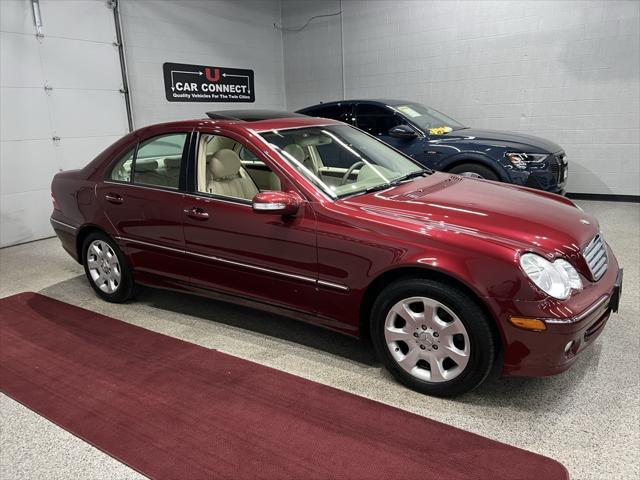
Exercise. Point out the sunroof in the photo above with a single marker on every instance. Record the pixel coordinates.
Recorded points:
(251, 115)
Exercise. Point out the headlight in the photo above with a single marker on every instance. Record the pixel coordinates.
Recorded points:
(557, 279)
(520, 160)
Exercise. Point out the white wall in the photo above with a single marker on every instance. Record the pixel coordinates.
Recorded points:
(227, 33)
(313, 56)
(565, 70)
(84, 107)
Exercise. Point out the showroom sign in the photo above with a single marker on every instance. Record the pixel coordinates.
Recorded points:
(199, 83)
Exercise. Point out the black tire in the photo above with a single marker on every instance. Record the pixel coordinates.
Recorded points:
(126, 286)
(483, 340)
(472, 169)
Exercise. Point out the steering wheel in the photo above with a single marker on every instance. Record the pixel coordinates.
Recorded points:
(345, 177)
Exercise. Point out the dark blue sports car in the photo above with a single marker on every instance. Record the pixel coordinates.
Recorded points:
(441, 143)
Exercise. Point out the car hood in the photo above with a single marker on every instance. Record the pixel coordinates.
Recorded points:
(519, 217)
(511, 140)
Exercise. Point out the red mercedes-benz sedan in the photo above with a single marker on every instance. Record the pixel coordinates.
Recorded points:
(316, 220)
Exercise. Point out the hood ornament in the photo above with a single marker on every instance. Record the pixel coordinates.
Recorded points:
(585, 222)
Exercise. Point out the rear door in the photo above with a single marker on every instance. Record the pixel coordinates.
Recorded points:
(142, 198)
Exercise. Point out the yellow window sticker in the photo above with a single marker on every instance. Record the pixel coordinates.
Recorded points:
(408, 111)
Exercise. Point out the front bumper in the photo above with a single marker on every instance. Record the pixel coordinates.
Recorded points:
(554, 350)
(550, 175)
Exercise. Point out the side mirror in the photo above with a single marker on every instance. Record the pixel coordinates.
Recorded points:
(276, 203)
(403, 131)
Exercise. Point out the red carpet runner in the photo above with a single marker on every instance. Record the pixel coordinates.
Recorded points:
(173, 410)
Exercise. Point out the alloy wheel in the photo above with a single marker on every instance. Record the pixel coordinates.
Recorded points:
(104, 267)
(427, 339)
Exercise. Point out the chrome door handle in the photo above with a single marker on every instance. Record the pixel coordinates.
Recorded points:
(197, 213)
(114, 198)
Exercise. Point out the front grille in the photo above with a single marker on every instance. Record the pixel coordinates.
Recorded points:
(595, 254)
(558, 167)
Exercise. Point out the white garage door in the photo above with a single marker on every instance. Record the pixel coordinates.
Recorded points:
(60, 103)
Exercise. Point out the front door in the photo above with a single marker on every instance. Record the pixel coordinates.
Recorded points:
(265, 257)
(142, 199)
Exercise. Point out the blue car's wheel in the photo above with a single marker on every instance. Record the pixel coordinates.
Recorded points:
(473, 170)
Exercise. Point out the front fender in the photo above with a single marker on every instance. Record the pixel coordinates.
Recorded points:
(447, 163)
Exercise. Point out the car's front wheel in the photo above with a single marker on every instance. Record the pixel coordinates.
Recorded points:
(432, 337)
(106, 268)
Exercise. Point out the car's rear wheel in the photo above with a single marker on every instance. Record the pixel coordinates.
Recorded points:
(106, 268)
(473, 170)
(432, 337)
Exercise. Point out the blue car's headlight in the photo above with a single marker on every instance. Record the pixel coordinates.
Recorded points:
(520, 160)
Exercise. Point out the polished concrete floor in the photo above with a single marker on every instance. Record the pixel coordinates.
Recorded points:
(587, 418)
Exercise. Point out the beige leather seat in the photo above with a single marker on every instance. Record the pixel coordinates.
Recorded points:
(297, 152)
(228, 177)
(146, 172)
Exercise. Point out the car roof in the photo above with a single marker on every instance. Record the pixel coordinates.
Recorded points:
(370, 101)
(276, 123)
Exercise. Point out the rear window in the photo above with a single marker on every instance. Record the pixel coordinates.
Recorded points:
(156, 162)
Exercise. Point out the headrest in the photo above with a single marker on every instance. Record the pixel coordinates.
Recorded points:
(219, 142)
(295, 151)
(171, 162)
(307, 139)
(146, 166)
(225, 163)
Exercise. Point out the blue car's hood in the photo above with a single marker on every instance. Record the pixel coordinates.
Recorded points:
(515, 141)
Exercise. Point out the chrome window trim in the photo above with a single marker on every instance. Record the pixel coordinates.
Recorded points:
(239, 264)
(221, 198)
(63, 224)
(148, 187)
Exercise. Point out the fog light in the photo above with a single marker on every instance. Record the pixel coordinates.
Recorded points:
(568, 347)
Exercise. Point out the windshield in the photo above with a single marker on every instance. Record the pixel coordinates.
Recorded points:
(341, 160)
(428, 119)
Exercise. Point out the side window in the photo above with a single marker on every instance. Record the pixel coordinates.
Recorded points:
(335, 112)
(227, 168)
(121, 172)
(376, 120)
(158, 161)
(248, 157)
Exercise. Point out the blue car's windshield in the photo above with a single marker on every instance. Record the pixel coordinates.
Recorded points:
(428, 119)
